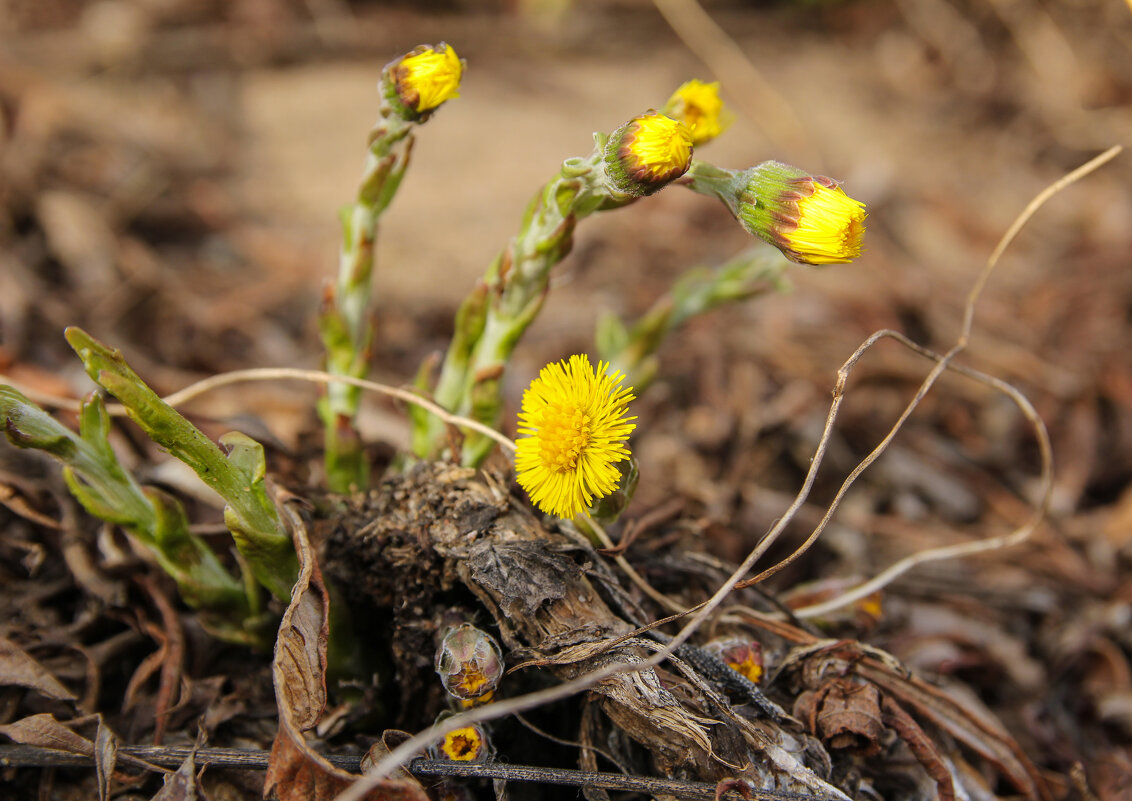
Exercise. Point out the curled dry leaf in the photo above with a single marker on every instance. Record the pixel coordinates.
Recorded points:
(295, 771)
(105, 758)
(184, 785)
(19, 669)
(45, 731)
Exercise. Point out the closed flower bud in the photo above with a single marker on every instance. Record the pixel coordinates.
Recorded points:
(647, 153)
(424, 78)
(470, 664)
(808, 217)
(699, 107)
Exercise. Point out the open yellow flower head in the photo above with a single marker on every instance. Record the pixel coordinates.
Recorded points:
(466, 744)
(808, 217)
(699, 106)
(575, 428)
(647, 153)
(427, 76)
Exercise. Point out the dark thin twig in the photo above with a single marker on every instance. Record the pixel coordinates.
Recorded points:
(173, 756)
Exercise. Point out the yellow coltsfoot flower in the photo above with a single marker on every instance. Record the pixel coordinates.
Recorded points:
(647, 153)
(466, 744)
(699, 106)
(426, 77)
(742, 655)
(575, 426)
(808, 217)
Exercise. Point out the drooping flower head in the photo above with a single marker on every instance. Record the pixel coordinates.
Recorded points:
(575, 427)
(470, 664)
(426, 76)
(647, 153)
(699, 106)
(808, 217)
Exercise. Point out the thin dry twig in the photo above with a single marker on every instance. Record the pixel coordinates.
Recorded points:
(630, 571)
(1016, 537)
(943, 363)
(251, 759)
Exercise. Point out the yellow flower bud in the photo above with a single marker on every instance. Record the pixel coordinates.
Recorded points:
(743, 656)
(699, 106)
(426, 77)
(808, 217)
(647, 153)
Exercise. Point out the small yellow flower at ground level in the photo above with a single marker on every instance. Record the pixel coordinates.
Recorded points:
(699, 106)
(744, 656)
(575, 427)
(428, 76)
(467, 744)
(647, 153)
(808, 217)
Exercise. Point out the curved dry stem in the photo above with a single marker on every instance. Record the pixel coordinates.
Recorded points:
(630, 571)
(943, 363)
(864, 464)
(1031, 208)
(193, 391)
(1018, 536)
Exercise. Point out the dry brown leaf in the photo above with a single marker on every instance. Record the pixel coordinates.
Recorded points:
(295, 771)
(184, 785)
(105, 758)
(17, 668)
(45, 731)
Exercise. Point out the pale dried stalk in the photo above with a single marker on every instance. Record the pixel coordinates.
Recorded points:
(942, 363)
(1016, 537)
(630, 571)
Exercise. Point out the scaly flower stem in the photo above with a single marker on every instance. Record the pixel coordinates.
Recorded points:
(639, 158)
(494, 316)
(347, 332)
(412, 87)
(633, 350)
(722, 184)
